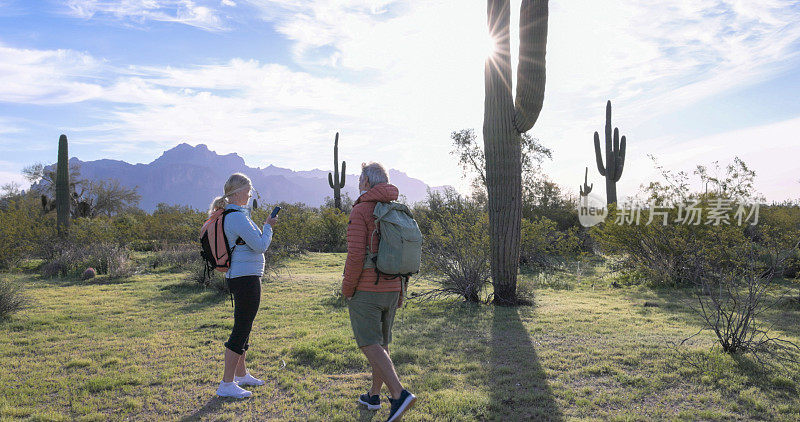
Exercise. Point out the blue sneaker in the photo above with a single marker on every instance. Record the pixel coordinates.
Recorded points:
(399, 406)
(372, 402)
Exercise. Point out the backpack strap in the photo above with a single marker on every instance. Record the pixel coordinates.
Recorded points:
(230, 251)
(225, 237)
(374, 256)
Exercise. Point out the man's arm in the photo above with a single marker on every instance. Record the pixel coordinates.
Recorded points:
(356, 250)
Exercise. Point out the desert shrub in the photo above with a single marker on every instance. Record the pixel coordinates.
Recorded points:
(290, 236)
(329, 231)
(70, 260)
(544, 199)
(544, 246)
(779, 224)
(126, 227)
(346, 203)
(11, 299)
(177, 257)
(732, 300)
(140, 245)
(292, 233)
(86, 231)
(170, 224)
(455, 253)
(672, 254)
(25, 229)
(684, 252)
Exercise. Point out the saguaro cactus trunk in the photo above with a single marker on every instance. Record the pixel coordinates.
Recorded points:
(62, 186)
(505, 119)
(615, 157)
(333, 180)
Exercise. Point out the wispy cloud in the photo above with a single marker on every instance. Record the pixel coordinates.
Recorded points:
(186, 12)
(48, 76)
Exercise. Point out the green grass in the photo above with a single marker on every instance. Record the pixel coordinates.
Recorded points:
(150, 348)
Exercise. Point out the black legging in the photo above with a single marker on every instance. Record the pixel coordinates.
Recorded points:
(246, 293)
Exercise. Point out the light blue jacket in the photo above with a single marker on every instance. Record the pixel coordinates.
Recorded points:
(247, 259)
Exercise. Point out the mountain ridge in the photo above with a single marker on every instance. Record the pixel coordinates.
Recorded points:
(194, 175)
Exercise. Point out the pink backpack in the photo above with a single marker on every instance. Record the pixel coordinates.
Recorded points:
(215, 251)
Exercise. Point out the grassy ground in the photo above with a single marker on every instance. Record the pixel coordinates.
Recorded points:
(149, 347)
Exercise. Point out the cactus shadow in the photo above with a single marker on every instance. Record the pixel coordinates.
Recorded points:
(517, 381)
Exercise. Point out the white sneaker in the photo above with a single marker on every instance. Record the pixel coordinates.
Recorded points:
(230, 389)
(247, 379)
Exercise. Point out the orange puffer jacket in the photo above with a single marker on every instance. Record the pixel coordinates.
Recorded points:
(359, 230)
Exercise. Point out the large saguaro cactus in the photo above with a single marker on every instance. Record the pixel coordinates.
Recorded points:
(505, 120)
(615, 157)
(62, 186)
(333, 179)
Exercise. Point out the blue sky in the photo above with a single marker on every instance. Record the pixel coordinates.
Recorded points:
(690, 82)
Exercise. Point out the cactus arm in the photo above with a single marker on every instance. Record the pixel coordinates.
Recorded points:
(586, 180)
(620, 159)
(615, 154)
(330, 180)
(531, 70)
(598, 154)
(344, 167)
(586, 188)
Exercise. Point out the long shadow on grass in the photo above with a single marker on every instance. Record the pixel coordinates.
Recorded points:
(683, 303)
(518, 384)
(193, 296)
(210, 408)
(69, 282)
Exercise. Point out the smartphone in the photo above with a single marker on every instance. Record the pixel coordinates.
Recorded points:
(275, 212)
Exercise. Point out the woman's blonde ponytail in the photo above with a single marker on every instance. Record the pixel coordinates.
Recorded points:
(236, 183)
(217, 204)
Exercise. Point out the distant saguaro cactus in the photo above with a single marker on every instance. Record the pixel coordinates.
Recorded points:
(62, 186)
(615, 157)
(44, 203)
(585, 189)
(333, 179)
(505, 120)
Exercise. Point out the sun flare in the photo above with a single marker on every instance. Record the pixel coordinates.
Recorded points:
(492, 46)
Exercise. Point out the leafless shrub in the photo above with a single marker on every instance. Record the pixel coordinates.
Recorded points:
(179, 257)
(70, 260)
(11, 299)
(732, 303)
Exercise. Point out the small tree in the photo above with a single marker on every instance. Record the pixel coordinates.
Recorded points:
(109, 197)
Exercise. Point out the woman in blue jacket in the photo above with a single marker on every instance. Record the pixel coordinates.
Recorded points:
(244, 280)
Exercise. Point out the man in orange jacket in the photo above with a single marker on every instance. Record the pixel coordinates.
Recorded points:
(373, 298)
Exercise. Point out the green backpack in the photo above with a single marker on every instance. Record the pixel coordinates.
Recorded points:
(400, 240)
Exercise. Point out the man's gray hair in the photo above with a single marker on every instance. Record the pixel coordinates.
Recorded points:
(375, 173)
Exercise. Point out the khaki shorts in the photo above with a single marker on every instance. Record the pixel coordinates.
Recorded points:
(372, 315)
